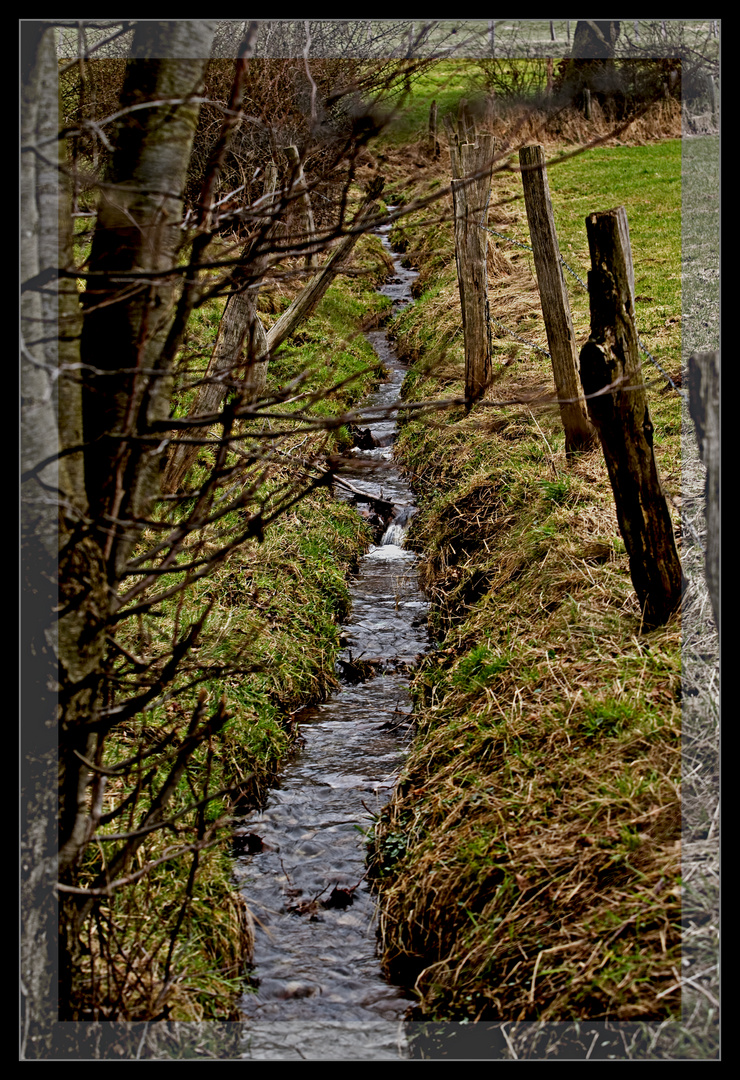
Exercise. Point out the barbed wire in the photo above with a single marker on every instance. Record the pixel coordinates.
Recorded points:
(516, 337)
(582, 283)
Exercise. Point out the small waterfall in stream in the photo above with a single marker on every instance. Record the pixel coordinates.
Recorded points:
(319, 990)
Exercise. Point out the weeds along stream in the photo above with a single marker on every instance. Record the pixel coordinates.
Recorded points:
(318, 990)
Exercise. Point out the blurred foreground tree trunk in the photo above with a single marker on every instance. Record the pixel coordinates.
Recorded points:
(81, 511)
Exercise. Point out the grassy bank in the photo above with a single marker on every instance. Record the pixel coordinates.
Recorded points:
(174, 943)
(529, 864)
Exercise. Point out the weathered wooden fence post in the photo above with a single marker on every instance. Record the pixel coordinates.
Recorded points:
(704, 409)
(611, 374)
(472, 165)
(300, 187)
(465, 124)
(587, 103)
(713, 98)
(561, 339)
(433, 140)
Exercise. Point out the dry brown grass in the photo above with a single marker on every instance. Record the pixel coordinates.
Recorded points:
(541, 803)
(529, 866)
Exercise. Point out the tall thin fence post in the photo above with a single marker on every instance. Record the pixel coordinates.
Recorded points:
(465, 124)
(713, 98)
(612, 379)
(561, 339)
(704, 378)
(587, 103)
(472, 165)
(433, 141)
(306, 211)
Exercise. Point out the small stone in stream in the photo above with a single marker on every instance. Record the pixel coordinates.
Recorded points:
(247, 844)
(363, 437)
(340, 898)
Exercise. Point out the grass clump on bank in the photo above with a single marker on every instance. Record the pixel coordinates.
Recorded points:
(528, 867)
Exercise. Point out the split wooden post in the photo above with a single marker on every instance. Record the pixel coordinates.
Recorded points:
(611, 374)
(300, 187)
(704, 409)
(561, 339)
(472, 166)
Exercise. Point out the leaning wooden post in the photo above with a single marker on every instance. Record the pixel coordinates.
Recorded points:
(611, 374)
(241, 337)
(300, 187)
(704, 409)
(309, 298)
(472, 164)
(561, 338)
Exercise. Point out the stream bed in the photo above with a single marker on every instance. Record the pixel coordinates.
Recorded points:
(319, 992)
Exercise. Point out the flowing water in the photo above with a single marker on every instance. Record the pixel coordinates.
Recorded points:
(319, 990)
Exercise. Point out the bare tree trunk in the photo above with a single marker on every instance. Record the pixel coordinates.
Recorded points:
(592, 65)
(136, 241)
(63, 624)
(433, 141)
(52, 497)
(595, 39)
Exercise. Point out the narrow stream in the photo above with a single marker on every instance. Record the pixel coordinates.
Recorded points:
(319, 990)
